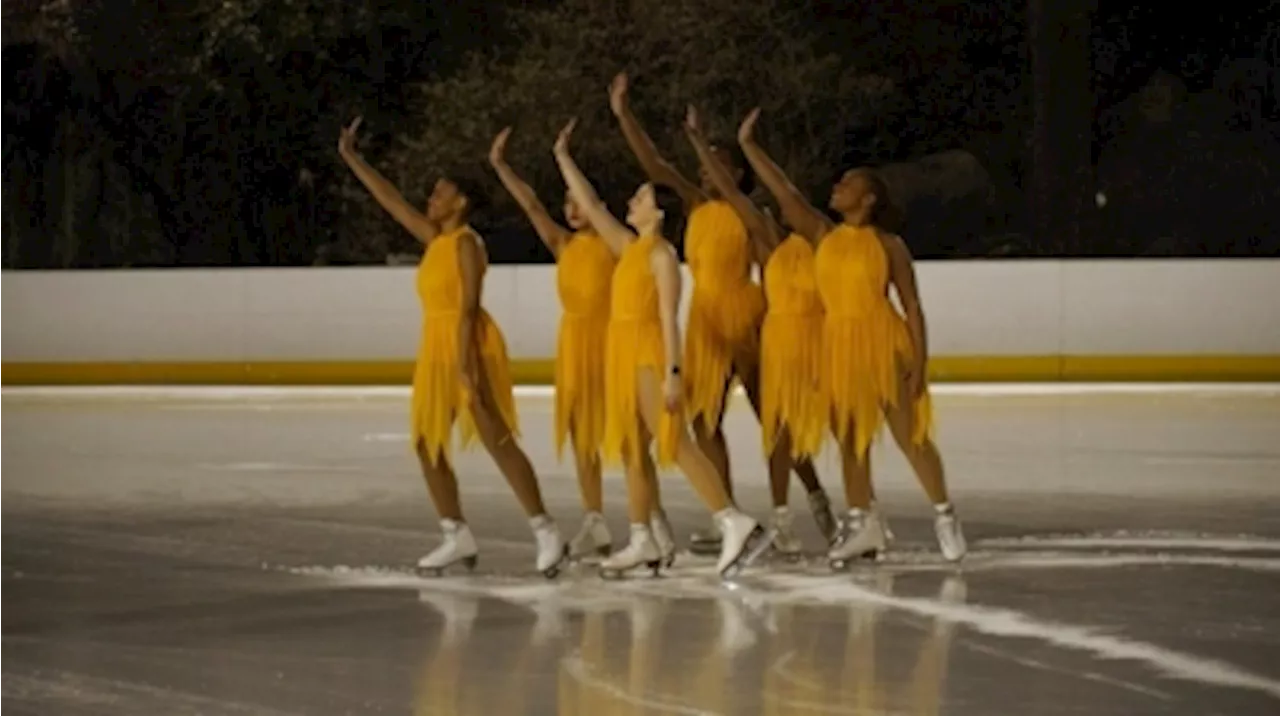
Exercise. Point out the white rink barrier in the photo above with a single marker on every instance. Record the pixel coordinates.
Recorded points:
(987, 320)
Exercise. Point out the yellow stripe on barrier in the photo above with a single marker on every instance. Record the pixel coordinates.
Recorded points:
(1198, 368)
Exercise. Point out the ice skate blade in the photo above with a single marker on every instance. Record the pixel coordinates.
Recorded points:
(875, 556)
(758, 542)
(554, 570)
(615, 573)
(601, 552)
(469, 563)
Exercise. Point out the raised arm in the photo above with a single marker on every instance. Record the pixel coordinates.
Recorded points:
(666, 274)
(659, 170)
(549, 230)
(764, 232)
(902, 274)
(614, 232)
(804, 217)
(470, 259)
(383, 191)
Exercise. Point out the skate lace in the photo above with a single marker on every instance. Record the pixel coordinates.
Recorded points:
(847, 527)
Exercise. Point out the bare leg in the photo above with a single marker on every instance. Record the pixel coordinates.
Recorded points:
(589, 480)
(692, 461)
(924, 458)
(505, 451)
(711, 443)
(442, 484)
(780, 465)
(856, 472)
(749, 373)
(639, 494)
(651, 474)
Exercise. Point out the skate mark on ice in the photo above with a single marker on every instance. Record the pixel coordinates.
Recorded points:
(1013, 624)
(1087, 676)
(579, 670)
(1145, 540)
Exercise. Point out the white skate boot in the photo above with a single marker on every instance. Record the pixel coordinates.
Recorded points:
(664, 537)
(708, 541)
(744, 540)
(552, 551)
(458, 547)
(593, 538)
(950, 537)
(642, 550)
(785, 542)
(861, 537)
(824, 516)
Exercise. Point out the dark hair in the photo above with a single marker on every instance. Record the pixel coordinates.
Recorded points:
(473, 188)
(885, 213)
(747, 182)
(672, 206)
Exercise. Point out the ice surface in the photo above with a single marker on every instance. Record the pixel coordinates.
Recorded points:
(184, 551)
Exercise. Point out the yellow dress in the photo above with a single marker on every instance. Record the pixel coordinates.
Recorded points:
(635, 342)
(864, 339)
(438, 398)
(725, 310)
(790, 352)
(583, 276)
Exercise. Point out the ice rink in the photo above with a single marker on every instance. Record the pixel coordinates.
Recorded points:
(220, 551)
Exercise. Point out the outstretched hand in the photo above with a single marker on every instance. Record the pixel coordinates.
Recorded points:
(499, 146)
(562, 140)
(691, 122)
(347, 138)
(746, 132)
(618, 93)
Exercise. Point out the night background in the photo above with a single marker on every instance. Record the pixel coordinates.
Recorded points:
(204, 133)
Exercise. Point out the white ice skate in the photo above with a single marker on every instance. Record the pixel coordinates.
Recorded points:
(823, 515)
(642, 550)
(950, 537)
(862, 537)
(552, 551)
(744, 540)
(785, 542)
(664, 537)
(458, 547)
(707, 541)
(593, 538)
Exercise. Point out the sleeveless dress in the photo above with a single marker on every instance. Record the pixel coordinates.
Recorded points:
(438, 399)
(635, 342)
(725, 310)
(584, 274)
(864, 338)
(790, 351)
